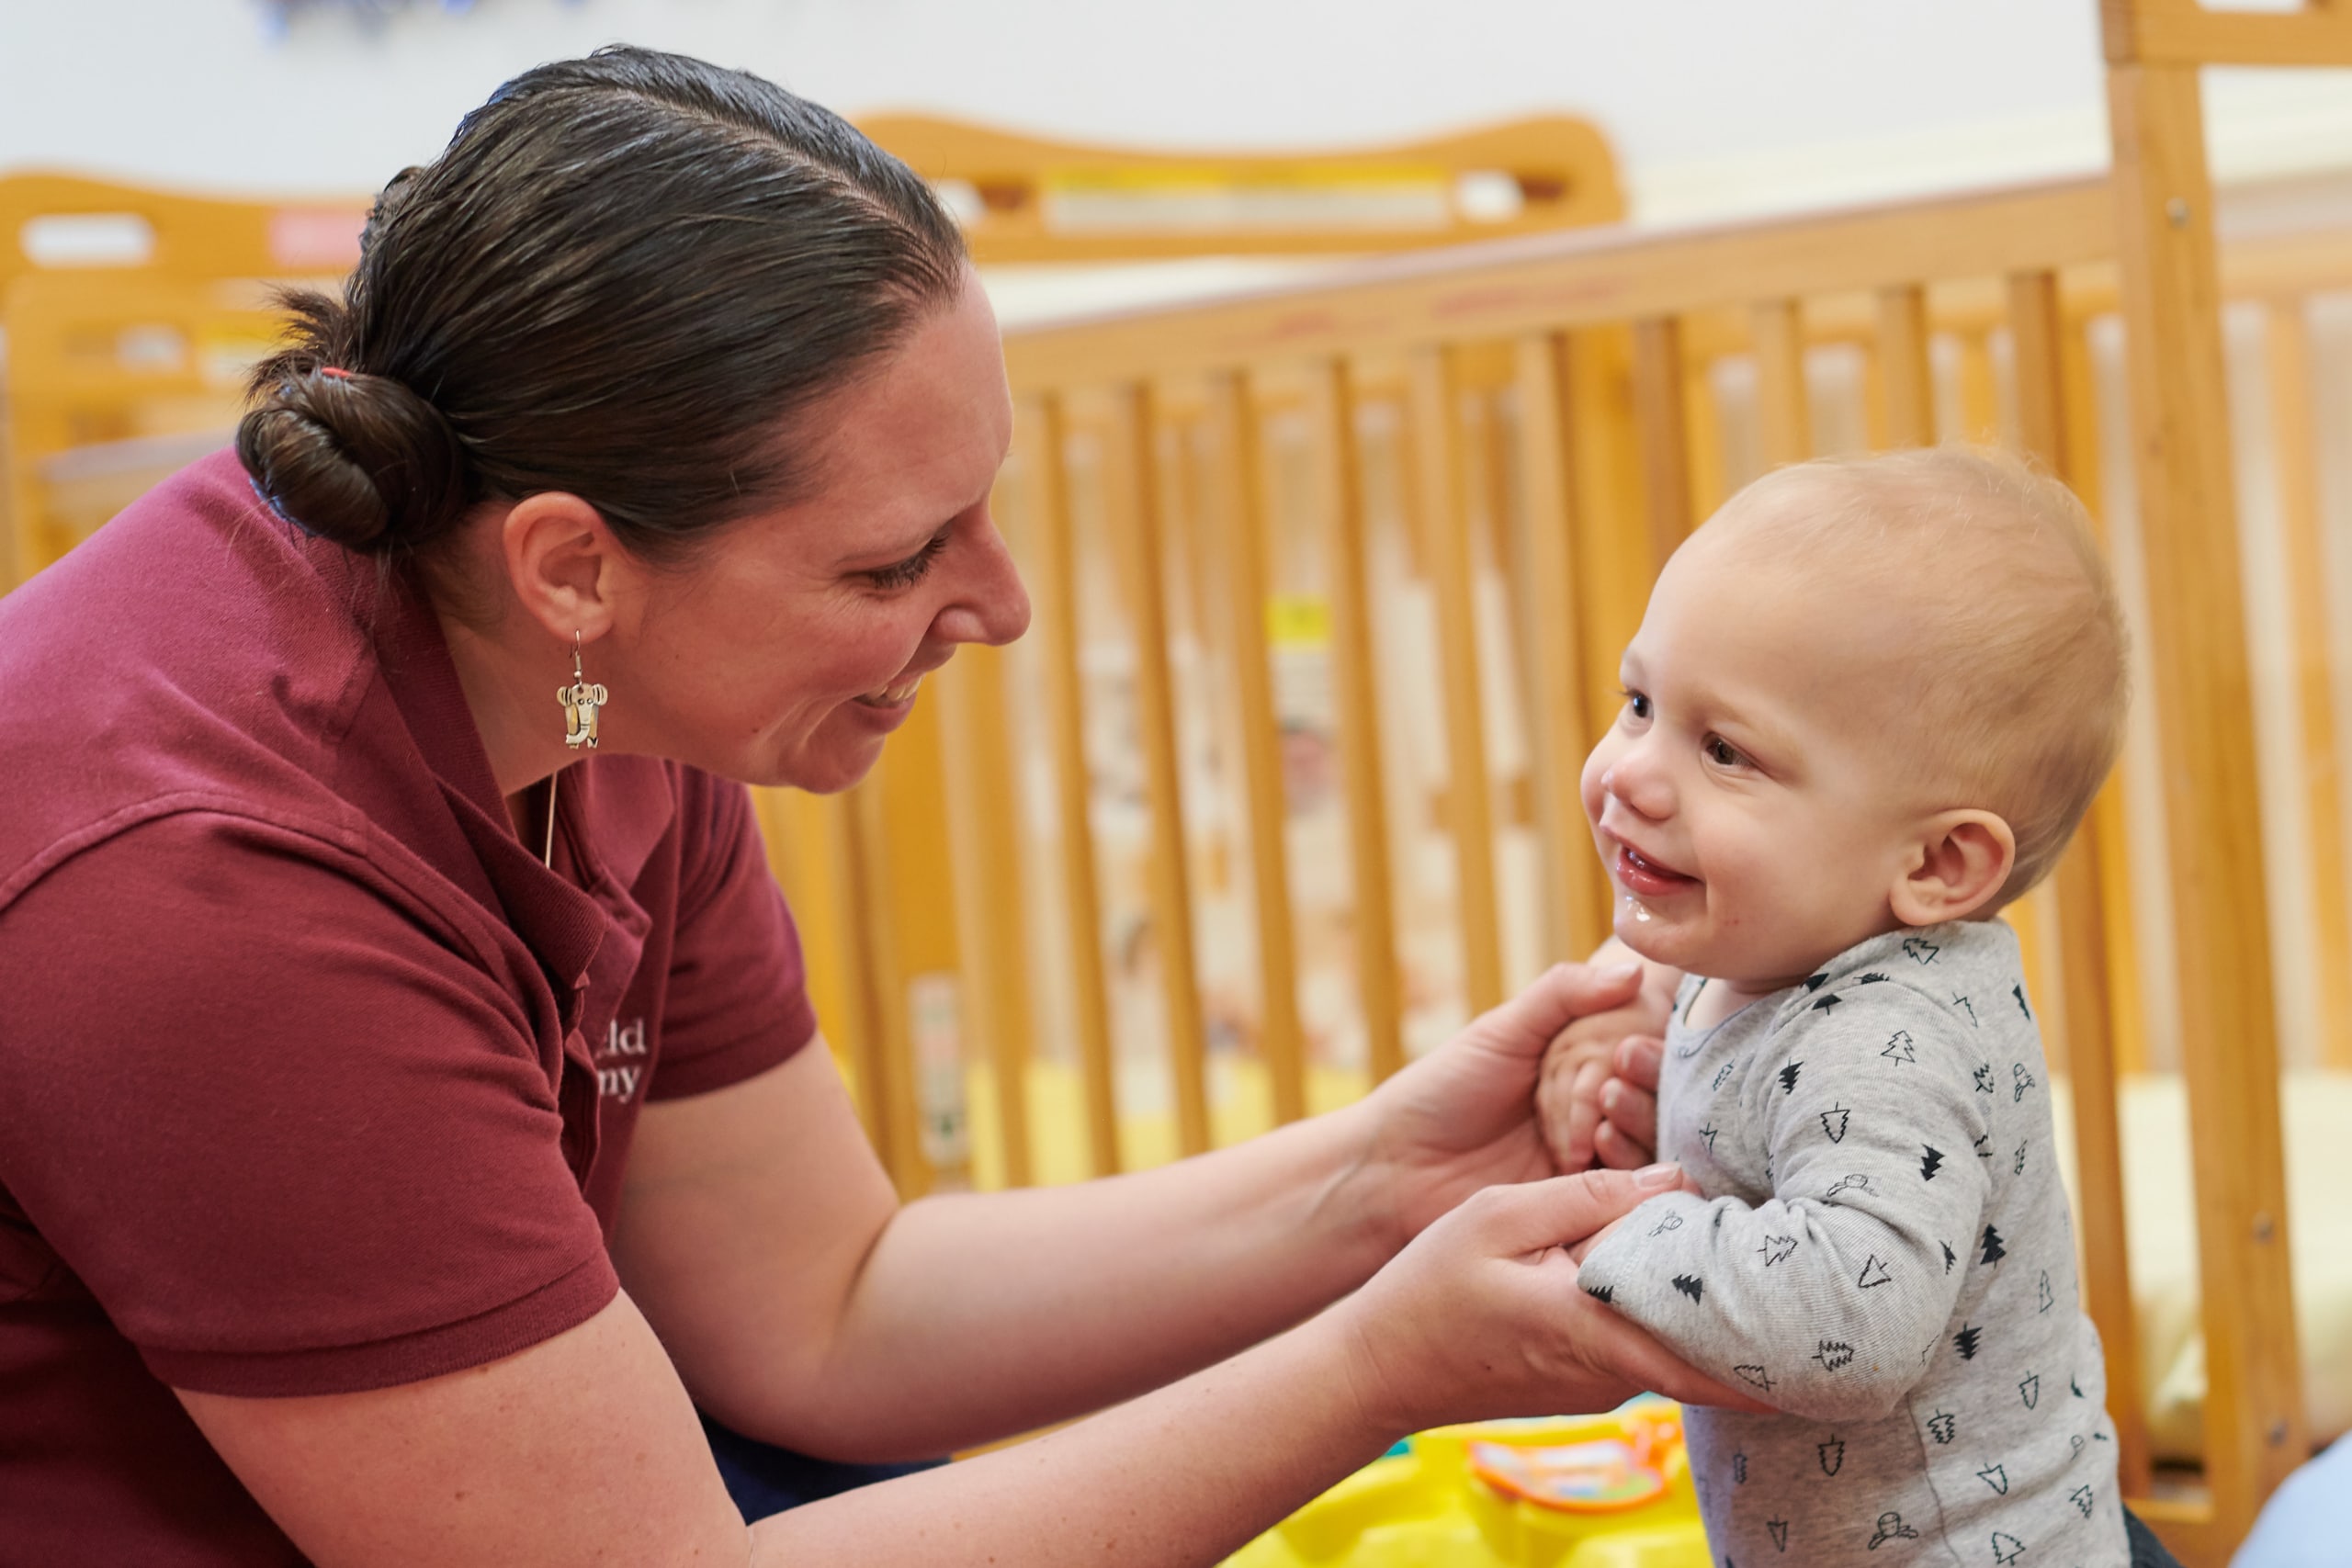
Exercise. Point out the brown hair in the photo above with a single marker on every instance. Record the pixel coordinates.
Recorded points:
(623, 278)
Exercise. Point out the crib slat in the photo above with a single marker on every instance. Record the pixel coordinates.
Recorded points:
(1243, 511)
(1136, 539)
(1782, 400)
(2029, 917)
(803, 836)
(1613, 566)
(1053, 563)
(2036, 335)
(991, 917)
(884, 1050)
(2033, 913)
(1578, 900)
(2287, 337)
(2098, 1151)
(1703, 424)
(1661, 415)
(1979, 392)
(1436, 447)
(2254, 1431)
(1905, 376)
(2079, 383)
(2078, 386)
(1359, 720)
(861, 1047)
(2085, 963)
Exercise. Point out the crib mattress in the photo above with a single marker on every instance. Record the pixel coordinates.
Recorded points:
(2160, 1226)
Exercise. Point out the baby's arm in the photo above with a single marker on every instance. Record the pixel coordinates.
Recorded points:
(1829, 1298)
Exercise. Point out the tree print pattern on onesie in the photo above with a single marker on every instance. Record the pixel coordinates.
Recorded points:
(1904, 1305)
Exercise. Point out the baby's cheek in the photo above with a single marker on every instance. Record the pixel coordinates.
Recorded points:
(1588, 783)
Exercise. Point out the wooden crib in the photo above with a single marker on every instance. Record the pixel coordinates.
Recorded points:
(1515, 433)
(1330, 584)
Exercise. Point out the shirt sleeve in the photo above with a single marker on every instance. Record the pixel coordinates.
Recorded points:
(1826, 1298)
(279, 1114)
(737, 1000)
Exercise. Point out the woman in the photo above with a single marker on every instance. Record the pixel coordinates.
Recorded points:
(408, 1131)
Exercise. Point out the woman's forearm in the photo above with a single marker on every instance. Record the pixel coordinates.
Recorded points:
(1479, 1316)
(1183, 1475)
(1048, 1302)
(804, 1305)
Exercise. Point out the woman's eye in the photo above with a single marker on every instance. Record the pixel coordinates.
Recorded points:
(1723, 753)
(910, 571)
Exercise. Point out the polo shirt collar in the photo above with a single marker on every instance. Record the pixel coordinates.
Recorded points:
(610, 831)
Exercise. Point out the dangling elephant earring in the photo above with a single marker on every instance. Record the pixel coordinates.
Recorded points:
(582, 701)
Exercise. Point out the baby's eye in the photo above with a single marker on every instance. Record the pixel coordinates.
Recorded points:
(1638, 703)
(1723, 753)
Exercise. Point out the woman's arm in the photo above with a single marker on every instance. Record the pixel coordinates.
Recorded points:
(585, 1449)
(803, 1306)
(1481, 1317)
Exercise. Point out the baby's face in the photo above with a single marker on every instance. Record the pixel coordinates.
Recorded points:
(1747, 802)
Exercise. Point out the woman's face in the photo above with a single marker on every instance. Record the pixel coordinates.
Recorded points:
(788, 652)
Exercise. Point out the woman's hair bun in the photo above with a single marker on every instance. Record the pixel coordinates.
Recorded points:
(635, 279)
(360, 460)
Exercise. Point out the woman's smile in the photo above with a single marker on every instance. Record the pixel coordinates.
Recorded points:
(899, 693)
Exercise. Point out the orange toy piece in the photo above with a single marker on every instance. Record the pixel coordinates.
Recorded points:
(1603, 1476)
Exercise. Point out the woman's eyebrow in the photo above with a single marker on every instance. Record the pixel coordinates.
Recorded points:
(887, 555)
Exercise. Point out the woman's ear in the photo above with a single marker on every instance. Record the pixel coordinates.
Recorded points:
(564, 563)
(1959, 863)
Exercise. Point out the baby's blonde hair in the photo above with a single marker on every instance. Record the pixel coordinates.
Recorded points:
(2020, 625)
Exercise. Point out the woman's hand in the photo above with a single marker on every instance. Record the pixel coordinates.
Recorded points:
(1481, 1317)
(1463, 1117)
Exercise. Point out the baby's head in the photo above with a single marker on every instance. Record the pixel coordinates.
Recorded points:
(1868, 693)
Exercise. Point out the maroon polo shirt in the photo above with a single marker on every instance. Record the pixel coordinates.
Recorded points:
(313, 1077)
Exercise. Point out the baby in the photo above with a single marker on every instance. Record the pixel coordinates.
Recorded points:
(1867, 705)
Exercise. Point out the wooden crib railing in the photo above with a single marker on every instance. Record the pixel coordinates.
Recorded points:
(1533, 425)
(1543, 398)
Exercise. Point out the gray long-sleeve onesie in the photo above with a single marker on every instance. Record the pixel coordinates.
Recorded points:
(1883, 1253)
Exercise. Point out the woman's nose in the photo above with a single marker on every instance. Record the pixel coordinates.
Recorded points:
(993, 607)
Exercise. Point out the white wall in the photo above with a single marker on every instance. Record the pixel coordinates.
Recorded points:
(1717, 106)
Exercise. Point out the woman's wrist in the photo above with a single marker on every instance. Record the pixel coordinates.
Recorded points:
(1371, 1187)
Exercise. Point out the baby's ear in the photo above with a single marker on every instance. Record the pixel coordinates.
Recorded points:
(1959, 863)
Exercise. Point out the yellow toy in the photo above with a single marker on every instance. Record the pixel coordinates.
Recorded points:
(1615, 1493)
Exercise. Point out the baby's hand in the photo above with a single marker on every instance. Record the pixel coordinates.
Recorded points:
(1567, 1096)
(1628, 1133)
(1578, 1064)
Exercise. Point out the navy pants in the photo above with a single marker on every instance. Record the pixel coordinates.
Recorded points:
(2147, 1551)
(763, 1479)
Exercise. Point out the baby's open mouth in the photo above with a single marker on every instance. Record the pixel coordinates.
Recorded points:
(1639, 873)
